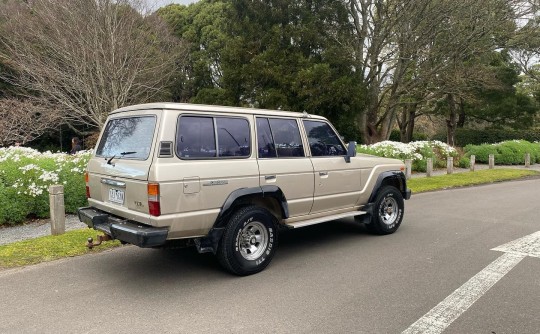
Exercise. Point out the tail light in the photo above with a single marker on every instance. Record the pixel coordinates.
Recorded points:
(153, 199)
(86, 178)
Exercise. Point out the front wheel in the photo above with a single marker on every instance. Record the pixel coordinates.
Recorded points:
(249, 241)
(388, 211)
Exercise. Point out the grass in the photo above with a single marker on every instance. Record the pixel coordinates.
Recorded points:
(467, 179)
(50, 248)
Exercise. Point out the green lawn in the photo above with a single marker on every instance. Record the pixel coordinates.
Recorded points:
(419, 185)
(50, 248)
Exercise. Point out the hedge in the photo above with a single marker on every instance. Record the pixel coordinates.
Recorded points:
(465, 137)
(506, 153)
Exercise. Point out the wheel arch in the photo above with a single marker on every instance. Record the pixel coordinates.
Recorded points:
(390, 178)
(268, 197)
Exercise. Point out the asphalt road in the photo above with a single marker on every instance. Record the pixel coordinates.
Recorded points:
(329, 278)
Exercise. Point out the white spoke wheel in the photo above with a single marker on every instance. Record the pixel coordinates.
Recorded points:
(388, 211)
(249, 241)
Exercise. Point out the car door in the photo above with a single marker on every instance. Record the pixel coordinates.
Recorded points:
(283, 162)
(337, 182)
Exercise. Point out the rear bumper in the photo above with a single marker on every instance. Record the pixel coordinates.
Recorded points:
(123, 230)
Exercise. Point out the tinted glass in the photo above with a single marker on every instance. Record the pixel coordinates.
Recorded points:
(265, 142)
(130, 134)
(323, 141)
(233, 137)
(286, 137)
(196, 137)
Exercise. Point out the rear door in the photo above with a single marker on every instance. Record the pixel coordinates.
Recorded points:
(283, 162)
(118, 172)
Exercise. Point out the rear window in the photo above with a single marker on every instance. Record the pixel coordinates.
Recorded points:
(130, 135)
(199, 136)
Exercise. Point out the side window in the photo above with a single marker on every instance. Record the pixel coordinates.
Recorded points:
(323, 141)
(233, 137)
(196, 137)
(287, 138)
(265, 141)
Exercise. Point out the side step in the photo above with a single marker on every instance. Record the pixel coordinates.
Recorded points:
(325, 219)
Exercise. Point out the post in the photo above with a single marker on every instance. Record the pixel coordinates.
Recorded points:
(450, 165)
(408, 167)
(491, 161)
(528, 160)
(473, 162)
(429, 167)
(58, 214)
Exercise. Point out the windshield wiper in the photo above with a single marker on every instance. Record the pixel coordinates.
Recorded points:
(122, 155)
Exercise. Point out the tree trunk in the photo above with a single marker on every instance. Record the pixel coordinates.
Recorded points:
(451, 120)
(461, 119)
(410, 125)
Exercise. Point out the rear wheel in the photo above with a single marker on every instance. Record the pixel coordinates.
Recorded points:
(387, 211)
(249, 241)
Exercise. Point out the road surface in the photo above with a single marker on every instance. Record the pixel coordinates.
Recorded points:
(329, 278)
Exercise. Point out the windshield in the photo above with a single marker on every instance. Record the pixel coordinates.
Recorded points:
(130, 134)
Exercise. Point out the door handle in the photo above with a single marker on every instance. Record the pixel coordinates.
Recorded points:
(323, 173)
(270, 177)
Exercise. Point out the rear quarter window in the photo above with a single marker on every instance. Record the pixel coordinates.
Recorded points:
(204, 137)
(127, 134)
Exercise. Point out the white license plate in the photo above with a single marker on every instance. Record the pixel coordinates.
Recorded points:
(116, 196)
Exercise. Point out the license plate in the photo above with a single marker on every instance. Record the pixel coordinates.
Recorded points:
(116, 196)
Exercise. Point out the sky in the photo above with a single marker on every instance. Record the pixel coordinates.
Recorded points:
(160, 3)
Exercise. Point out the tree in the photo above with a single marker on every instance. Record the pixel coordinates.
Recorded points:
(21, 121)
(411, 51)
(87, 57)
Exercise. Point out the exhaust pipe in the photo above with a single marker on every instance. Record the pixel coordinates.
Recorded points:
(101, 238)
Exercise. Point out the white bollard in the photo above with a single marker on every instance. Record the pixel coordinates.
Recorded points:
(528, 160)
(58, 214)
(473, 162)
(429, 167)
(450, 165)
(491, 161)
(408, 168)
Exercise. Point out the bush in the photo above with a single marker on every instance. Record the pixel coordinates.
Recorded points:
(25, 176)
(491, 136)
(506, 153)
(418, 152)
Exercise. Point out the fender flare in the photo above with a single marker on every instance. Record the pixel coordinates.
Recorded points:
(396, 176)
(210, 242)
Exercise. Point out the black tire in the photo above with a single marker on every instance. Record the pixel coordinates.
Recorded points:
(249, 241)
(388, 210)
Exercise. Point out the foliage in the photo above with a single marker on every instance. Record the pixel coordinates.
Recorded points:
(418, 185)
(270, 54)
(26, 174)
(418, 152)
(81, 59)
(505, 153)
(49, 248)
(489, 136)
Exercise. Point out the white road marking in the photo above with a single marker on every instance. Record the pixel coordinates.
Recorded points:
(442, 315)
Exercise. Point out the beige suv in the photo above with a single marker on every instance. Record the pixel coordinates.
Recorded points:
(227, 179)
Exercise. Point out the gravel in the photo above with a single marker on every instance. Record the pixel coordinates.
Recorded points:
(35, 229)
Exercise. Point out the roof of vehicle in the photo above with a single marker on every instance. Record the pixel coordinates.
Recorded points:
(202, 107)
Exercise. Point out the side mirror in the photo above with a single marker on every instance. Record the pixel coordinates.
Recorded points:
(351, 151)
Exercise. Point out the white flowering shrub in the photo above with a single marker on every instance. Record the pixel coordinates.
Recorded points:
(25, 177)
(417, 151)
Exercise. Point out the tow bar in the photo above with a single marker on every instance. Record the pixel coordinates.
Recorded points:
(101, 238)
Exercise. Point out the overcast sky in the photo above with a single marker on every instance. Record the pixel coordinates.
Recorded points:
(160, 3)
